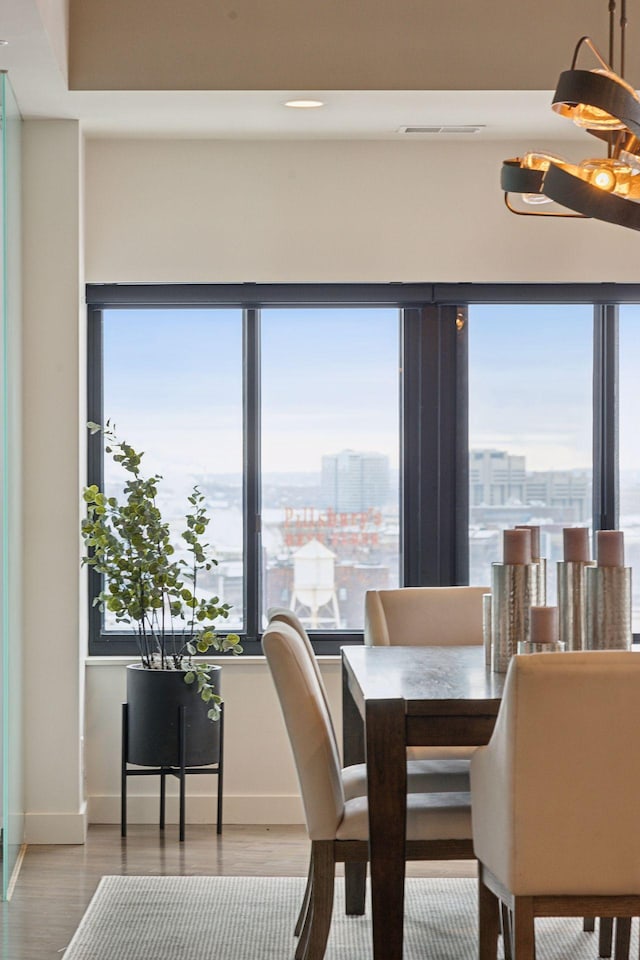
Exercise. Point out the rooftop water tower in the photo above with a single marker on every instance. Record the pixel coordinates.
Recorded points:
(314, 585)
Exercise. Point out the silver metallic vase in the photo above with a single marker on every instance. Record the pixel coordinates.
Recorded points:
(513, 587)
(572, 602)
(539, 599)
(608, 608)
(486, 627)
(528, 646)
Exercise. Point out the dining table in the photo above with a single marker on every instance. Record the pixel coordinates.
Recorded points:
(394, 697)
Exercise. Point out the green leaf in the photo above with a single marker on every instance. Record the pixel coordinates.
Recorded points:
(189, 677)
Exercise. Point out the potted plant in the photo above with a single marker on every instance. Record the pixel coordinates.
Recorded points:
(152, 587)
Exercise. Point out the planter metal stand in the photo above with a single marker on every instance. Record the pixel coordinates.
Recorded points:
(181, 771)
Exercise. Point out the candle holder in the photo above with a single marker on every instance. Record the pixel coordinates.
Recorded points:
(529, 646)
(608, 608)
(540, 581)
(486, 627)
(512, 590)
(572, 602)
(539, 597)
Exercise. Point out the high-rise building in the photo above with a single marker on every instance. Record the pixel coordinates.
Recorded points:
(354, 481)
(496, 478)
(567, 489)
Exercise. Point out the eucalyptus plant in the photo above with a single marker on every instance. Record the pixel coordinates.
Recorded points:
(146, 584)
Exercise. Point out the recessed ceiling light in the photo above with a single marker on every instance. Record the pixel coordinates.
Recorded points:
(304, 104)
(4, 43)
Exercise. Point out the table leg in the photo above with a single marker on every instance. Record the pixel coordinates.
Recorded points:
(353, 750)
(387, 786)
(355, 874)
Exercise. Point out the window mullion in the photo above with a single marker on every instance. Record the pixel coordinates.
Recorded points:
(605, 417)
(411, 446)
(435, 442)
(251, 481)
(95, 448)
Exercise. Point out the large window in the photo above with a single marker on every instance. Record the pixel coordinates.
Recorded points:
(530, 427)
(172, 384)
(350, 437)
(330, 460)
(629, 445)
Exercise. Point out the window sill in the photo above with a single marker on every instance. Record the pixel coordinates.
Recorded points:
(233, 662)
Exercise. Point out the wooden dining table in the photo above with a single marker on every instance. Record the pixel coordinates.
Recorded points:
(395, 697)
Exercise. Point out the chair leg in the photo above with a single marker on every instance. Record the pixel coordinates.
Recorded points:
(605, 937)
(489, 921)
(305, 901)
(623, 938)
(524, 944)
(321, 905)
(303, 939)
(507, 935)
(355, 888)
(304, 919)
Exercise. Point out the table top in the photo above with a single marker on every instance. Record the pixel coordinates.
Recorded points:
(449, 678)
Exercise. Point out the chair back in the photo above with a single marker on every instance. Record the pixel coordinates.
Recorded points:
(554, 791)
(309, 727)
(419, 616)
(284, 615)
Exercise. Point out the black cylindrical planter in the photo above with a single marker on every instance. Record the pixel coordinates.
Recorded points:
(154, 698)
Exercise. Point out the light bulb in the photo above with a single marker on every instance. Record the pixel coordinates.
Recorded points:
(588, 117)
(611, 176)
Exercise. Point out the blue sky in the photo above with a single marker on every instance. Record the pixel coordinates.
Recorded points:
(629, 399)
(330, 381)
(530, 382)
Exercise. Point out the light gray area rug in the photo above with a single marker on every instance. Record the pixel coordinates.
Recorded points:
(252, 918)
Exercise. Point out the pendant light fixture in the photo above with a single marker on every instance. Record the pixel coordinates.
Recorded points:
(602, 103)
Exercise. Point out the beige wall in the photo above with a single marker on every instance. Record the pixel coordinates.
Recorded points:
(198, 211)
(260, 784)
(212, 211)
(53, 450)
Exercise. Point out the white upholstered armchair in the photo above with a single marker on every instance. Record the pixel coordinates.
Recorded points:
(555, 823)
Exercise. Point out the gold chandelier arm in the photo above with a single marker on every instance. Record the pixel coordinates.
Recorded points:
(587, 41)
(539, 213)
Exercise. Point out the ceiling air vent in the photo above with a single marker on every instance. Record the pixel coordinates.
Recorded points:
(444, 128)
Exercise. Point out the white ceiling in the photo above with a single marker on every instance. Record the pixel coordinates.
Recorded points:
(41, 91)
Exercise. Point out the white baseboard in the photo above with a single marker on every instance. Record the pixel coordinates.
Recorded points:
(199, 809)
(56, 827)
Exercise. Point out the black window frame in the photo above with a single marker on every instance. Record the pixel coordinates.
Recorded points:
(433, 423)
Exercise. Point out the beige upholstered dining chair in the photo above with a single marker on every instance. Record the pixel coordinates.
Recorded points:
(430, 776)
(438, 824)
(554, 824)
(421, 616)
(423, 776)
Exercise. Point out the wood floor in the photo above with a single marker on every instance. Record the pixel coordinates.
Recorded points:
(56, 883)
